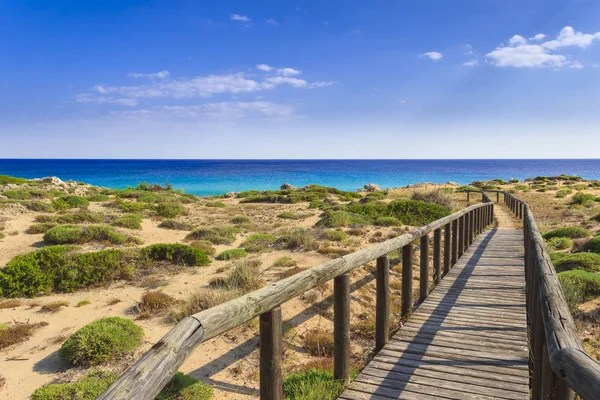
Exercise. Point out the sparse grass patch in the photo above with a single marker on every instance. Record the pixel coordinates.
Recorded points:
(83, 303)
(217, 204)
(335, 235)
(87, 388)
(201, 300)
(6, 179)
(259, 242)
(18, 333)
(40, 228)
(232, 254)
(178, 225)
(284, 261)
(297, 239)
(129, 221)
(71, 234)
(54, 306)
(66, 202)
(572, 232)
(314, 384)
(334, 251)
(38, 206)
(593, 245)
(113, 301)
(103, 340)
(12, 303)
(559, 243)
(241, 219)
(205, 246)
(185, 387)
(319, 343)
(154, 302)
(579, 286)
(98, 197)
(80, 217)
(17, 194)
(291, 272)
(180, 254)
(169, 210)
(387, 221)
(242, 276)
(435, 196)
(217, 235)
(288, 215)
(336, 219)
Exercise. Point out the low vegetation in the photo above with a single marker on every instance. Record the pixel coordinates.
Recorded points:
(178, 225)
(259, 242)
(80, 217)
(242, 276)
(309, 193)
(572, 232)
(232, 254)
(593, 245)
(54, 306)
(101, 341)
(17, 333)
(169, 210)
(335, 235)
(205, 246)
(241, 219)
(216, 204)
(154, 302)
(579, 286)
(201, 300)
(559, 243)
(319, 343)
(589, 262)
(73, 234)
(436, 197)
(314, 384)
(217, 235)
(129, 221)
(179, 254)
(299, 239)
(67, 202)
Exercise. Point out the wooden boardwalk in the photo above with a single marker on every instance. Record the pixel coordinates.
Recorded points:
(467, 340)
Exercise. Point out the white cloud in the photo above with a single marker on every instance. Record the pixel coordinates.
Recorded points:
(538, 37)
(238, 17)
(264, 67)
(86, 98)
(288, 71)
(159, 75)
(278, 80)
(272, 21)
(433, 55)
(468, 49)
(520, 53)
(471, 63)
(517, 40)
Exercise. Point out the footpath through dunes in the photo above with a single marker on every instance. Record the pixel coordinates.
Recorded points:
(468, 339)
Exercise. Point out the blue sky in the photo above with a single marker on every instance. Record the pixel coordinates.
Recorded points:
(310, 79)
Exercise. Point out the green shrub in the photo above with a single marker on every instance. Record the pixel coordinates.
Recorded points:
(564, 192)
(336, 219)
(589, 262)
(309, 193)
(582, 198)
(98, 197)
(40, 228)
(288, 215)
(169, 210)
(242, 276)
(71, 234)
(87, 388)
(217, 235)
(299, 239)
(65, 202)
(101, 341)
(259, 242)
(2, 235)
(72, 218)
(572, 232)
(232, 254)
(436, 197)
(178, 254)
(178, 225)
(560, 243)
(130, 221)
(5, 180)
(205, 246)
(17, 194)
(240, 219)
(131, 207)
(387, 221)
(596, 218)
(335, 235)
(315, 204)
(521, 187)
(217, 204)
(579, 287)
(58, 268)
(466, 188)
(39, 206)
(314, 384)
(185, 387)
(593, 245)
(376, 196)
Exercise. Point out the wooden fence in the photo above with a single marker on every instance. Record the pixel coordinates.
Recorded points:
(146, 378)
(558, 364)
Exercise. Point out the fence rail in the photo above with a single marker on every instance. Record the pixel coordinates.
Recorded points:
(146, 378)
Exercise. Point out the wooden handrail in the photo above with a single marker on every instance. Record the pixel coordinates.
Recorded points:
(559, 363)
(146, 378)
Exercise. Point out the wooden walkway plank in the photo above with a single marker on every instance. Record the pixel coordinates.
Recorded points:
(467, 340)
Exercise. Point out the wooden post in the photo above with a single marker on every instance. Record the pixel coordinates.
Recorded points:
(424, 277)
(437, 255)
(497, 197)
(382, 308)
(477, 221)
(461, 236)
(447, 247)
(454, 242)
(271, 384)
(341, 327)
(407, 295)
(468, 196)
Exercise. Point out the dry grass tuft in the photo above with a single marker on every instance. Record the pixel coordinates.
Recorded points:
(54, 306)
(243, 276)
(201, 300)
(113, 301)
(18, 333)
(153, 303)
(319, 343)
(12, 303)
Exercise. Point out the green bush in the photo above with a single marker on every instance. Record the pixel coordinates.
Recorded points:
(309, 193)
(217, 204)
(241, 219)
(169, 210)
(467, 188)
(387, 221)
(299, 239)
(2, 235)
(178, 225)
(185, 387)
(65, 202)
(589, 262)
(177, 253)
(71, 234)
(572, 232)
(288, 215)
(314, 384)
(593, 245)
(336, 219)
(130, 221)
(217, 235)
(436, 197)
(131, 207)
(101, 341)
(41, 228)
(579, 287)
(39, 206)
(232, 254)
(564, 192)
(98, 197)
(205, 246)
(259, 242)
(72, 218)
(17, 194)
(596, 218)
(87, 388)
(560, 243)
(582, 198)
(5, 180)
(58, 268)
(335, 235)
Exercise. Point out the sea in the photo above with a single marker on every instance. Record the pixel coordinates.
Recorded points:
(214, 177)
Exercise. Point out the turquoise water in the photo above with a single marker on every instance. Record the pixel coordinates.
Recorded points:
(210, 177)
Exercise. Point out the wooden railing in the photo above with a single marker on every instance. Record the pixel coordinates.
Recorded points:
(558, 364)
(146, 378)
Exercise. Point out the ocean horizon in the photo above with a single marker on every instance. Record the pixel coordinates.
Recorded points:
(214, 177)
